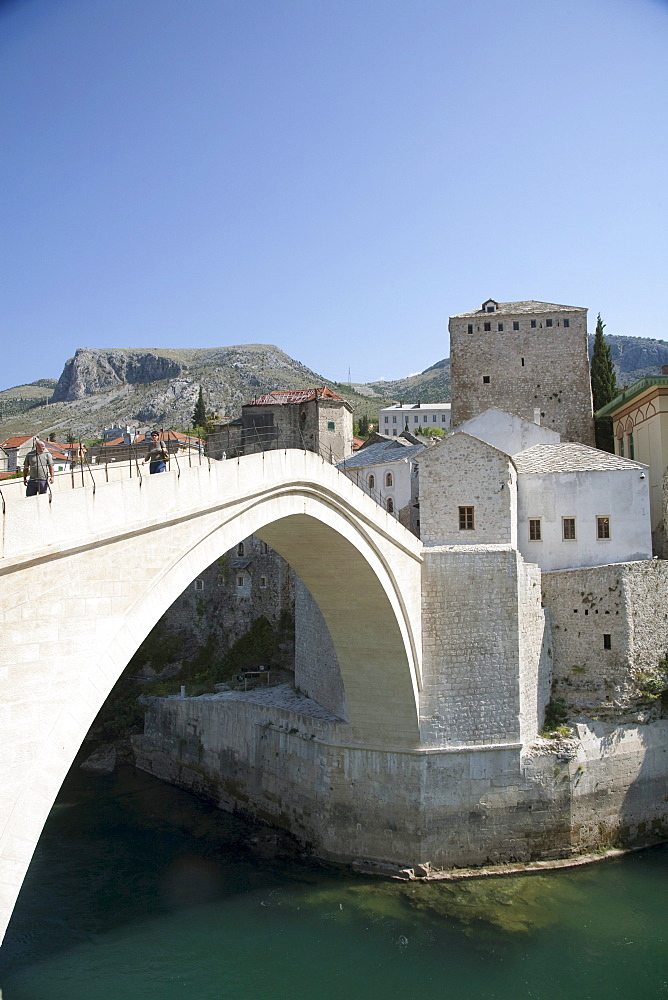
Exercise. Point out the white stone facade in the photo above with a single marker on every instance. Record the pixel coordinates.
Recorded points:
(393, 420)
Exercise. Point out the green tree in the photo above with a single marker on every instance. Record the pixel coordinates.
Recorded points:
(199, 413)
(363, 426)
(603, 378)
(603, 386)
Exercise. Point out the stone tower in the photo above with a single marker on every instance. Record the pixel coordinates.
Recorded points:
(528, 358)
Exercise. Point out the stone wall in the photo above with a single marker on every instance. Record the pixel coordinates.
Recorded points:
(542, 368)
(463, 471)
(485, 663)
(317, 673)
(292, 765)
(627, 602)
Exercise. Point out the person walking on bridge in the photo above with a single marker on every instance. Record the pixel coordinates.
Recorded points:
(37, 469)
(157, 455)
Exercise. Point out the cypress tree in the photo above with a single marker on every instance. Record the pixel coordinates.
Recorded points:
(603, 386)
(199, 413)
(603, 378)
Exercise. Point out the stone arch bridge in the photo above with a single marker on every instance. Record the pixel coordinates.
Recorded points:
(84, 578)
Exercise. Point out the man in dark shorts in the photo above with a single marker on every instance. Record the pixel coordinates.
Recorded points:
(37, 469)
(157, 455)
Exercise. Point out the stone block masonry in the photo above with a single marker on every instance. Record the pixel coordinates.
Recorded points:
(610, 638)
(522, 357)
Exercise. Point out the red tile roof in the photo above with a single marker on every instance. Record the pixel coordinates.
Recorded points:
(16, 442)
(283, 396)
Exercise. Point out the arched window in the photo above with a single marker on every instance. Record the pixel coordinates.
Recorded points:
(372, 482)
(390, 505)
(388, 478)
(240, 549)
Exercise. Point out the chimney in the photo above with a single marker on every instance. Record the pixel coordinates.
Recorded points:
(536, 415)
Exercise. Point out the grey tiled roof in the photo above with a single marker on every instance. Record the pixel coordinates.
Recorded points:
(521, 308)
(378, 454)
(565, 457)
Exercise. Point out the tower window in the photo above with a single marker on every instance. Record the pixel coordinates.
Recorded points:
(516, 324)
(487, 327)
(470, 328)
(522, 362)
(263, 582)
(240, 549)
(466, 518)
(567, 322)
(533, 324)
(534, 529)
(603, 527)
(486, 379)
(548, 322)
(607, 640)
(199, 584)
(500, 327)
(330, 425)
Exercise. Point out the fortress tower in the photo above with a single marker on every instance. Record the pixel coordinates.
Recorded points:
(528, 358)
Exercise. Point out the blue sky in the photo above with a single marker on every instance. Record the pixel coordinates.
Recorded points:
(336, 177)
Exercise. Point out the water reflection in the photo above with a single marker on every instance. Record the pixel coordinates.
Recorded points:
(139, 891)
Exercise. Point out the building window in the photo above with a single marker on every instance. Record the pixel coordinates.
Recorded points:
(199, 584)
(390, 505)
(241, 551)
(240, 581)
(548, 322)
(522, 362)
(603, 527)
(263, 582)
(487, 327)
(330, 425)
(534, 529)
(372, 482)
(470, 328)
(485, 379)
(416, 420)
(394, 420)
(568, 528)
(607, 640)
(621, 447)
(516, 324)
(466, 518)
(490, 309)
(500, 327)
(388, 479)
(632, 450)
(567, 322)
(264, 548)
(387, 419)
(533, 324)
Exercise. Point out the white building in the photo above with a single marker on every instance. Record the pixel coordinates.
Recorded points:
(386, 470)
(563, 505)
(392, 420)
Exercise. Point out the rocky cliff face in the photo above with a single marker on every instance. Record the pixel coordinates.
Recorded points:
(93, 371)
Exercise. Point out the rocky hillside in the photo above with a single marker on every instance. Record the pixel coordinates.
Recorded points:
(100, 388)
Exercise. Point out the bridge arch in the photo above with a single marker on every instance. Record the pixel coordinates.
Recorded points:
(87, 577)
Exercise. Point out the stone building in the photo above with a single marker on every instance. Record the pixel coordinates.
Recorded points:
(562, 504)
(315, 419)
(640, 427)
(527, 358)
(387, 471)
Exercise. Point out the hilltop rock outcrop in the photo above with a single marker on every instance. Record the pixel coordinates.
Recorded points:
(92, 371)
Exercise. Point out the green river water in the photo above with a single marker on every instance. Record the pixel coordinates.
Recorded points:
(139, 892)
